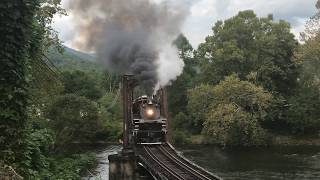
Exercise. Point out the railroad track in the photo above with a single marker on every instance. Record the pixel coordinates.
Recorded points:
(169, 165)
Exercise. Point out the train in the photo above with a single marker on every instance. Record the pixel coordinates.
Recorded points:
(149, 122)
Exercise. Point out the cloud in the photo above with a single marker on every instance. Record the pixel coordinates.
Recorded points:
(65, 27)
(206, 12)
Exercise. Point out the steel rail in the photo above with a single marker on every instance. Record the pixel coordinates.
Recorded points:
(184, 165)
(162, 164)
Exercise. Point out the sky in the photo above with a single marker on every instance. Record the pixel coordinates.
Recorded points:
(204, 13)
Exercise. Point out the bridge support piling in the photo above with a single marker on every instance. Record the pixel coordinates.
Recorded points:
(123, 166)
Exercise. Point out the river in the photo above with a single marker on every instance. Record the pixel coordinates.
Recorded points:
(267, 163)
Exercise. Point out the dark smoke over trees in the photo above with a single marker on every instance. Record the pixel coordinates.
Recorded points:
(132, 36)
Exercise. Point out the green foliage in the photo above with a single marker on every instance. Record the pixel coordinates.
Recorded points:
(184, 46)
(112, 116)
(229, 124)
(308, 56)
(73, 60)
(71, 167)
(73, 118)
(82, 84)
(43, 74)
(36, 152)
(177, 92)
(231, 111)
(180, 137)
(199, 102)
(16, 18)
(28, 82)
(44, 18)
(246, 44)
(180, 121)
(251, 98)
(68, 167)
(303, 113)
(110, 104)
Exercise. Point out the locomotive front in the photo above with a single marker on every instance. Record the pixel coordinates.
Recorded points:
(149, 125)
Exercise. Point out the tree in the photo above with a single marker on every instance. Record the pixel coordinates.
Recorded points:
(73, 118)
(45, 78)
(111, 115)
(199, 102)
(231, 112)
(229, 124)
(246, 44)
(184, 46)
(16, 19)
(303, 113)
(82, 84)
(308, 56)
(251, 98)
(110, 103)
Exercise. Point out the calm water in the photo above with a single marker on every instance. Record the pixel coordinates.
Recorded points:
(302, 162)
(287, 163)
(102, 170)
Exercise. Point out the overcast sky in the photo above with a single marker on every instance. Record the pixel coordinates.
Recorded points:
(204, 13)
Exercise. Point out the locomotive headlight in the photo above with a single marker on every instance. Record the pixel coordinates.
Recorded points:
(150, 112)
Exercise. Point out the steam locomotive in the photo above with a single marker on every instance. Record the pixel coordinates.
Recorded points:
(149, 126)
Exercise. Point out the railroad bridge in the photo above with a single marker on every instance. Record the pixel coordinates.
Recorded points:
(161, 161)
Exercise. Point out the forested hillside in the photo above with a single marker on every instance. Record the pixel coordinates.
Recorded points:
(71, 59)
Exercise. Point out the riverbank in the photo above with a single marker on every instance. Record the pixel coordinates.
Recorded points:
(296, 141)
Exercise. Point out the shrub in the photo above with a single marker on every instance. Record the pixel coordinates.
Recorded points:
(180, 137)
(228, 124)
(73, 118)
(231, 112)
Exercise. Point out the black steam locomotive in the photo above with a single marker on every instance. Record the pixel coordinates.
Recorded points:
(149, 126)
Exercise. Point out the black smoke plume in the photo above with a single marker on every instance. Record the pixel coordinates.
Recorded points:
(131, 36)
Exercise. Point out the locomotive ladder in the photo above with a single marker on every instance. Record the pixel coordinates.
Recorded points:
(164, 163)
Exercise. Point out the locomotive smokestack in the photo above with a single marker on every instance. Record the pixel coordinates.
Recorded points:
(132, 36)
